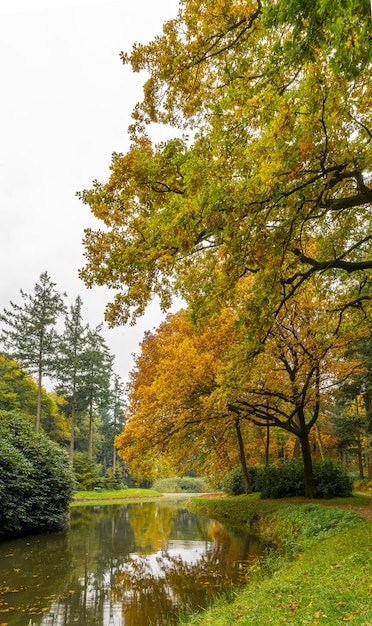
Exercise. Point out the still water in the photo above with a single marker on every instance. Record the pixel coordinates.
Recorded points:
(121, 565)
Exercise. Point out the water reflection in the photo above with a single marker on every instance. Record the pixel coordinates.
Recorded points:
(132, 565)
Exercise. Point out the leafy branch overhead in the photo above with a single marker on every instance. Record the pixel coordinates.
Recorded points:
(268, 177)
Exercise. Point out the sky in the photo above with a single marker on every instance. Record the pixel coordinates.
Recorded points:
(65, 106)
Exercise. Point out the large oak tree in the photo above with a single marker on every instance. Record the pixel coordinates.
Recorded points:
(272, 180)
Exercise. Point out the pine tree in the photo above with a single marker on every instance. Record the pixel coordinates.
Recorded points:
(30, 336)
(70, 369)
(97, 365)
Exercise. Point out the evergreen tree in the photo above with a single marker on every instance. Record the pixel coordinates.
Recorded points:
(70, 368)
(30, 336)
(115, 418)
(353, 419)
(97, 365)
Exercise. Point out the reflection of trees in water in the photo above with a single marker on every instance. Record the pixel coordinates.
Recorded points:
(151, 526)
(154, 594)
(84, 575)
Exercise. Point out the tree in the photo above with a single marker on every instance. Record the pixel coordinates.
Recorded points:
(97, 368)
(273, 182)
(169, 396)
(353, 412)
(113, 420)
(19, 392)
(30, 336)
(70, 369)
(36, 482)
(196, 391)
(289, 383)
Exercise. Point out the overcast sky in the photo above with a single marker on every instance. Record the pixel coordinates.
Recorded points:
(66, 101)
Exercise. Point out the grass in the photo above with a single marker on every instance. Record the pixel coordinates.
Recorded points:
(321, 575)
(112, 496)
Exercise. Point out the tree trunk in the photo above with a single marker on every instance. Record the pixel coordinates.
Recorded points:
(90, 445)
(72, 440)
(308, 465)
(319, 440)
(38, 407)
(267, 444)
(242, 455)
(297, 446)
(369, 459)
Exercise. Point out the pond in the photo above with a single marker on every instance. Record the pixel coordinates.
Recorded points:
(121, 565)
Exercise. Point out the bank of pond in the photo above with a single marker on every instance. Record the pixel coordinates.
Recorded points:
(163, 560)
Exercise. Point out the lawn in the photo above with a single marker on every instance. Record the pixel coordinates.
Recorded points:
(321, 573)
(105, 496)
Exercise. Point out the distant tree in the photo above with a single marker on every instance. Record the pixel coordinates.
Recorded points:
(172, 425)
(353, 415)
(113, 419)
(70, 366)
(29, 335)
(36, 482)
(97, 368)
(19, 392)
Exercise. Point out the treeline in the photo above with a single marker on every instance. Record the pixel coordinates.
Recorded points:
(42, 338)
(209, 410)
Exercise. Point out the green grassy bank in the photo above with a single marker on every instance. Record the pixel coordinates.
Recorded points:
(324, 573)
(112, 497)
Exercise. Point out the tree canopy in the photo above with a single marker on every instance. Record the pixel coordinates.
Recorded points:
(259, 204)
(30, 335)
(270, 178)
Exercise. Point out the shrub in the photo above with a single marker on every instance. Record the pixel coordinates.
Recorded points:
(36, 481)
(330, 480)
(286, 480)
(181, 485)
(114, 480)
(363, 485)
(233, 482)
(87, 472)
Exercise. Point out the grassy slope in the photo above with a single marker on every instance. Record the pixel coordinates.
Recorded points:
(326, 577)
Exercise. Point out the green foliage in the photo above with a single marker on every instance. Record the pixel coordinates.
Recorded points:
(88, 473)
(364, 485)
(115, 480)
(30, 336)
(179, 485)
(233, 482)
(287, 480)
(36, 482)
(331, 480)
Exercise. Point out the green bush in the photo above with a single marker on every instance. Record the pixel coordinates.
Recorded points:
(181, 485)
(233, 482)
(36, 481)
(286, 480)
(363, 485)
(331, 480)
(87, 472)
(114, 480)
